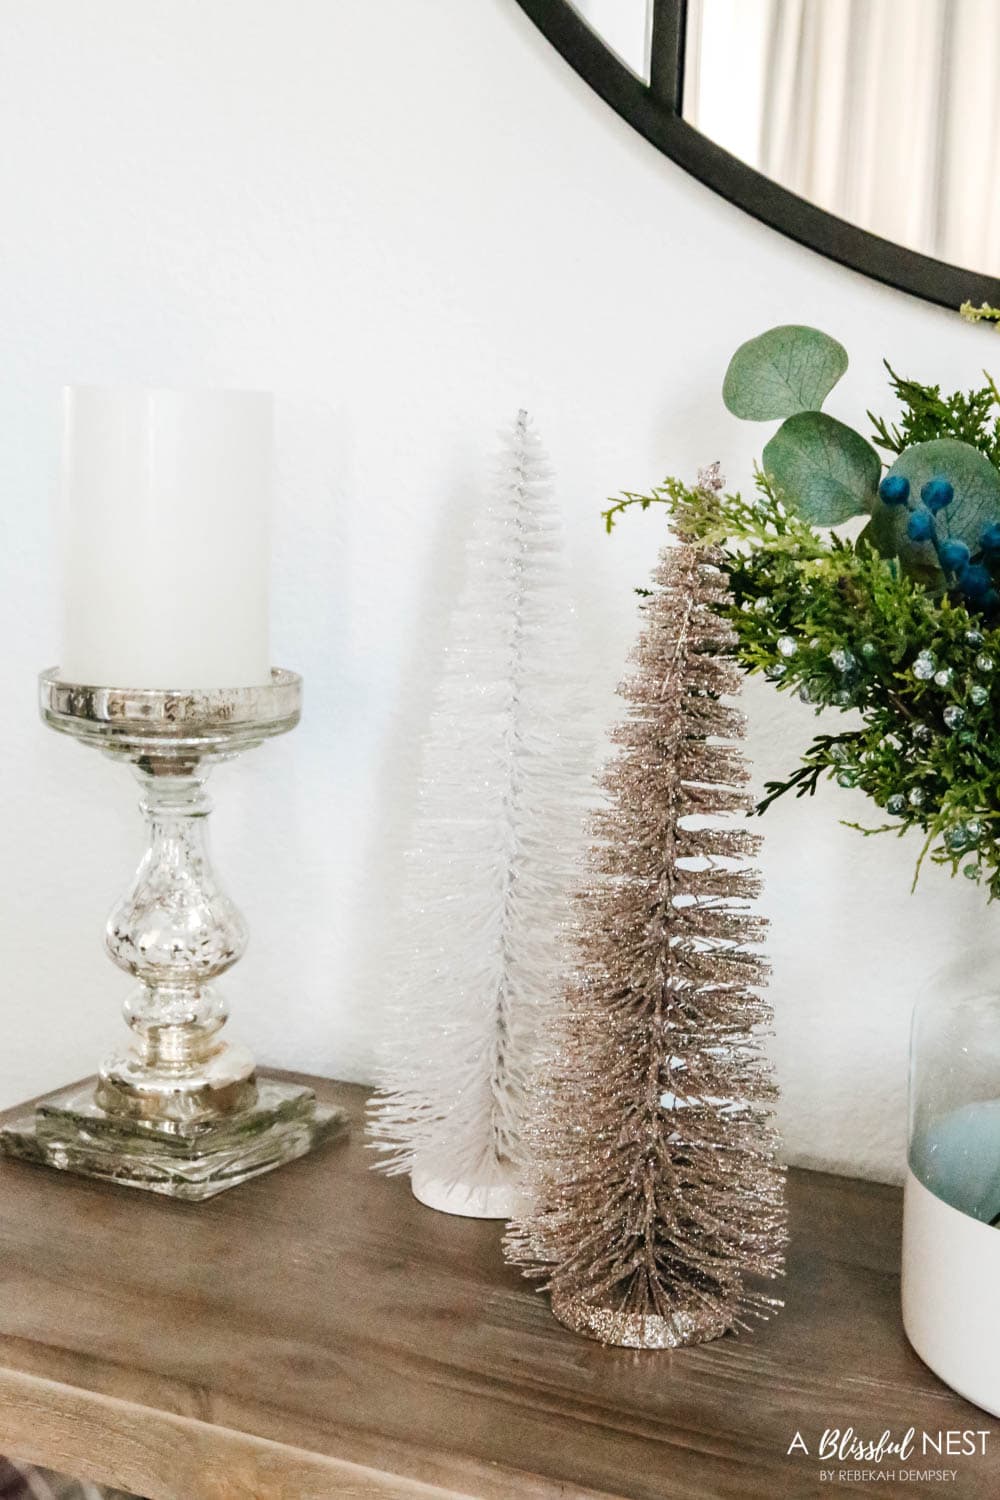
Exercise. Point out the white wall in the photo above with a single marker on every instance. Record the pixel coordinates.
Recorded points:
(407, 219)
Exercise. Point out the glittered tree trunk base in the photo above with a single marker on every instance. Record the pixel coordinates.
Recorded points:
(695, 1324)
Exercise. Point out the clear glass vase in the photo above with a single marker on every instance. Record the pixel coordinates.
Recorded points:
(951, 1229)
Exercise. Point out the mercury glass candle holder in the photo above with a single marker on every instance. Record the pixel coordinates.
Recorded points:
(181, 1110)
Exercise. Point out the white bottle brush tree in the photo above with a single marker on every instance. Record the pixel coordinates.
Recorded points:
(489, 873)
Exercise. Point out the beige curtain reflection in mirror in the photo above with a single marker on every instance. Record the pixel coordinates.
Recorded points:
(884, 112)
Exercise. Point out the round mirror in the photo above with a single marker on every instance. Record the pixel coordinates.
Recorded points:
(867, 129)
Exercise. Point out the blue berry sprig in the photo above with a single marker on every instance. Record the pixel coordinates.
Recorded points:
(968, 572)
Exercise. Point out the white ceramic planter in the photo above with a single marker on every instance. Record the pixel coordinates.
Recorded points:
(951, 1245)
(951, 1294)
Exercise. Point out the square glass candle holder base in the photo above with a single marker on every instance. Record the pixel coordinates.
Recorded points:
(192, 1160)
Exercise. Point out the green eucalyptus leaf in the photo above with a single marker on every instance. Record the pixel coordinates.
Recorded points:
(977, 500)
(879, 536)
(826, 472)
(783, 371)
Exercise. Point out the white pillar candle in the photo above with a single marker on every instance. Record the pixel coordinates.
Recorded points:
(164, 528)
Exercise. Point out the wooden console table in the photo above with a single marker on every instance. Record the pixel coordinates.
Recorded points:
(317, 1333)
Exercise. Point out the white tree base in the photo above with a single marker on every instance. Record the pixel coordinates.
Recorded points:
(499, 1199)
(951, 1294)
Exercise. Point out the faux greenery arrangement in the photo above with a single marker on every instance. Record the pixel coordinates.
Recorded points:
(897, 624)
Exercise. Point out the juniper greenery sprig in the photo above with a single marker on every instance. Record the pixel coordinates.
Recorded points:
(984, 313)
(845, 628)
(971, 417)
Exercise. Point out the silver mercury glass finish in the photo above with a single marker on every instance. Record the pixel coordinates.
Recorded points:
(181, 1111)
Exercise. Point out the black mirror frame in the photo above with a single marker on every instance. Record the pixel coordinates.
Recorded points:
(654, 109)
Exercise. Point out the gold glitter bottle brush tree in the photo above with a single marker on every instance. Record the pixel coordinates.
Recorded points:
(657, 1196)
(490, 865)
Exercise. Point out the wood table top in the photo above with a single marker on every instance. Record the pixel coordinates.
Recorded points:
(317, 1332)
